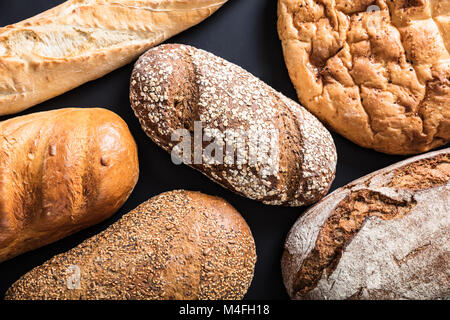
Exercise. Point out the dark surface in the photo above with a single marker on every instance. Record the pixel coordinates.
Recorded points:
(243, 32)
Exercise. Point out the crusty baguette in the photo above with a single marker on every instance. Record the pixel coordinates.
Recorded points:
(61, 171)
(82, 40)
(384, 236)
(178, 245)
(175, 87)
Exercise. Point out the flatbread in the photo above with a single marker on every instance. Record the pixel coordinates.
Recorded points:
(377, 72)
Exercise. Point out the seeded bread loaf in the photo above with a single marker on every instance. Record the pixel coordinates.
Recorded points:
(384, 236)
(178, 245)
(376, 71)
(82, 40)
(176, 88)
(61, 171)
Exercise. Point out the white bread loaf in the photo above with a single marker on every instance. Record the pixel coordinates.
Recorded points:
(82, 40)
(61, 171)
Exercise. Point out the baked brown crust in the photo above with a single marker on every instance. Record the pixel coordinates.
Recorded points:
(384, 236)
(173, 86)
(178, 245)
(61, 171)
(381, 79)
(82, 40)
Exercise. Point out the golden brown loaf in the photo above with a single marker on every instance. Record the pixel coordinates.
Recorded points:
(82, 40)
(61, 171)
(176, 87)
(384, 236)
(381, 78)
(178, 245)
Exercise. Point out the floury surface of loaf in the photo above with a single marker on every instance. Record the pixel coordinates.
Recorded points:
(178, 245)
(384, 236)
(178, 87)
(60, 172)
(376, 71)
(82, 40)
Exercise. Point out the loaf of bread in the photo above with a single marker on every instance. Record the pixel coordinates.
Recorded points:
(265, 146)
(82, 40)
(384, 236)
(377, 72)
(179, 245)
(61, 171)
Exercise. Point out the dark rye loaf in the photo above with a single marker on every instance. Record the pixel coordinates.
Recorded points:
(178, 245)
(172, 86)
(384, 236)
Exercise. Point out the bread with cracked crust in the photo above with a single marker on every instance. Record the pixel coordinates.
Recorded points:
(61, 171)
(174, 88)
(384, 236)
(377, 72)
(82, 40)
(178, 245)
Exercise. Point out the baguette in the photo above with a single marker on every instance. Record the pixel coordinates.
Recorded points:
(82, 40)
(280, 153)
(384, 236)
(179, 245)
(61, 171)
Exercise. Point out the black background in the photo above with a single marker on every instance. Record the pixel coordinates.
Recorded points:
(243, 32)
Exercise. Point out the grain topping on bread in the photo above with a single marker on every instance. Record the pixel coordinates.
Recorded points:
(178, 245)
(174, 87)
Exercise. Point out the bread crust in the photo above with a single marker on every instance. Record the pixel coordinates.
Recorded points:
(384, 236)
(175, 86)
(61, 171)
(381, 78)
(82, 40)
(178, 245)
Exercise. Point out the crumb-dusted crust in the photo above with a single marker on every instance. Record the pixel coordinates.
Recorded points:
(178, 245)
(385, 236)
(382, 78)
(172, 86)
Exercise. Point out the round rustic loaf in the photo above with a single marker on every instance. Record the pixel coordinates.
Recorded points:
(178, 245)
(384, 236)
(376, 71)
(61, 171)
(176, 87)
